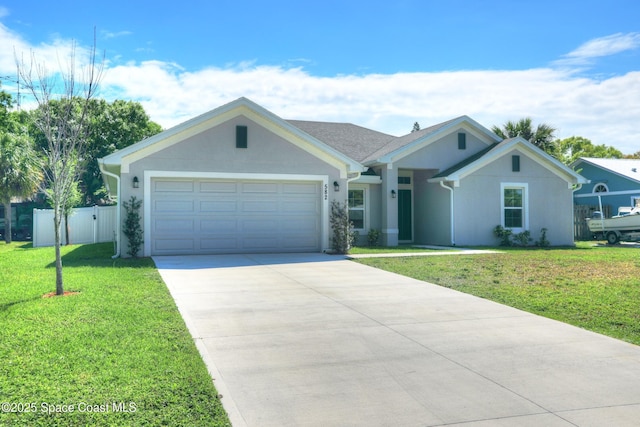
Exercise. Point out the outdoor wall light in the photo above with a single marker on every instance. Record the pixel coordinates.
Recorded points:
(393, 194)
(136, 182)
(336, 186)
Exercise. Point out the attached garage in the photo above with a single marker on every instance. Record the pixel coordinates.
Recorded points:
(210, 216)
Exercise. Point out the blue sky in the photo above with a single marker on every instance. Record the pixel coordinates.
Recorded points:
(572, 64)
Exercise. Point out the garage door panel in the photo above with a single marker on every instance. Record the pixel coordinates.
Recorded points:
(174, 225)
(219, 244)
(218, 206)
(260, 187)
(256, 206)
(219, 226)
(301, 188)
(294, 207)
(173, 186)
(169, 245)
(191, 216)
(264, 226)
(218, 187)
(174, 206)
(298, 225)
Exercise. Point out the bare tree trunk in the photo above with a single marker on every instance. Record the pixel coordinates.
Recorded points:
(57, 225)
(66, 230)
(7, 222)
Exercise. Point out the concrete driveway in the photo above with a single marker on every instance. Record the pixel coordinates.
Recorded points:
(313, 339)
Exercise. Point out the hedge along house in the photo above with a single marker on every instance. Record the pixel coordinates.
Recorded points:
(239, 179)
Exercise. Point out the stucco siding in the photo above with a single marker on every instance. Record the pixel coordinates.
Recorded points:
(214, 151)
(443, 153)
(478, 207)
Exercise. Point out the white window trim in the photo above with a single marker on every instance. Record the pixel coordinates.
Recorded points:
(366, 210)
(525, 204)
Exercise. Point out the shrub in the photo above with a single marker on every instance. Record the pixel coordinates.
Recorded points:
(342, 228)
(132, 229)
(372, 237)
(507, 238)
(504, 234)
(522, 239)
(543, 242)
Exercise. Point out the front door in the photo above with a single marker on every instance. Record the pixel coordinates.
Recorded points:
(404, 215)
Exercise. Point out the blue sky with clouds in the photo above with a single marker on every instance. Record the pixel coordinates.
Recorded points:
(572, 64)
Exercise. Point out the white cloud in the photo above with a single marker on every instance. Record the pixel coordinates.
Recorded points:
(599, 47)
(605, 111)
(115, 34)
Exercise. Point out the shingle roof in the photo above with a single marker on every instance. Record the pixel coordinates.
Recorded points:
(466, 161)
(354, 141)
(402, 141)
(628, 168)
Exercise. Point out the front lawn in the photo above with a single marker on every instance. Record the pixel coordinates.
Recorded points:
(596, 288)
(115, 353)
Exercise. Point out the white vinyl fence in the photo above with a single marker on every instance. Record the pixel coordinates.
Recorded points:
(86, 225)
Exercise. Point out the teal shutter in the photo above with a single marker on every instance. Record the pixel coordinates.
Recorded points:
(241, 137)
(515, 163)
(462, 141)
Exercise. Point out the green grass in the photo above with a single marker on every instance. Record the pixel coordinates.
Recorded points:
(120, 341)
(596, 288)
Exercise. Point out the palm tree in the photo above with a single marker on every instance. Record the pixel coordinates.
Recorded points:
(20, 173)
(543, 136)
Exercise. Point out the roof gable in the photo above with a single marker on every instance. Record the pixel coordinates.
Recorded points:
(626, 168)
(410, 143)
(497, 150)
(242, 106)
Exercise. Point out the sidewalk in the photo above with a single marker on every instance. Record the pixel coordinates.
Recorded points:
(437, 251)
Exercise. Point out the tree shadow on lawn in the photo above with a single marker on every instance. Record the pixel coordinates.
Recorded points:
(7, 305)
(98, 255)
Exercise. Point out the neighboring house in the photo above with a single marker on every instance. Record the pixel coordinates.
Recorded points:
(241, 179)
(614, 182)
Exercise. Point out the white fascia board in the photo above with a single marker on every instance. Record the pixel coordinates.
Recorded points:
(545, 160)
(243, 107)
(367, 179)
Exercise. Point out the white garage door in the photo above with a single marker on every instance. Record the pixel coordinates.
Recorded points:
(208, 216)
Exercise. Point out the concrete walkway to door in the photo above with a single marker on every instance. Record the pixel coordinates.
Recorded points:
(317, 340)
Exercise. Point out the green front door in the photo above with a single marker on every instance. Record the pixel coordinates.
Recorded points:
(404, 215)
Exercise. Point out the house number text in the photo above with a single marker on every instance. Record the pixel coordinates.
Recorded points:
(326, 191)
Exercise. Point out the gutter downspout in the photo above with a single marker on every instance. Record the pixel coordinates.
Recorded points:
(453, 228)
(117, 178)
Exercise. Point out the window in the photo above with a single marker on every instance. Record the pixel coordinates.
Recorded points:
(404, 180)
(600, 188)
(241, 137)
(356, 208)
(515, 163)
(462, 141)
(514, 207)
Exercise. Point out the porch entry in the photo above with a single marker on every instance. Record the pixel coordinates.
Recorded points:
(404, 215)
